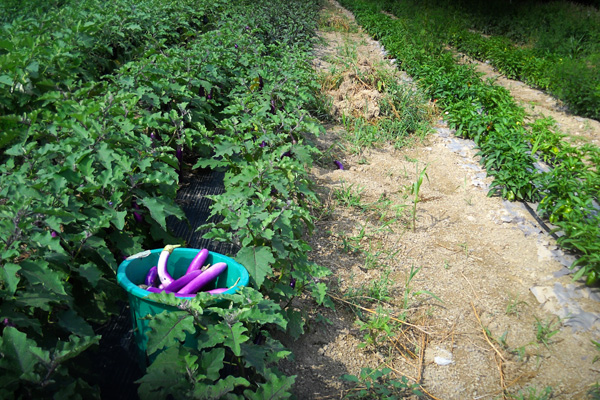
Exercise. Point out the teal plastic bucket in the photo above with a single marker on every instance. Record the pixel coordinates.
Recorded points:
(132, 272)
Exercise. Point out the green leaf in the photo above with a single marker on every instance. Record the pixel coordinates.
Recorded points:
(161, 208)
(212, 363)
(77, 390)
(15, 348)
(257, 261)
(220, 388)
(350, 378)
(6, 80)
(98, 245)
(164, 376)
(117, 218)
(260, 356)
(295, 327)
(72, 322)
(38, 273)
(45, 239)
(169, 328)
(91, 272)
(319, 292)
(233, 336)
(41, 300)
(75, 346)
(9, 275)
(275, 387)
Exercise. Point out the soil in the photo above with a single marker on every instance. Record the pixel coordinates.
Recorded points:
(492, 310)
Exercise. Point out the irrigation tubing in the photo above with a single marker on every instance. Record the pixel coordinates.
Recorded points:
(539, 220)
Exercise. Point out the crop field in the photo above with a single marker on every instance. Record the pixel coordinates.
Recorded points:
(399, 214)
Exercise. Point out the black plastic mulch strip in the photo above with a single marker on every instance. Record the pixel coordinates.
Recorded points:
(191, 197)
(117, 358)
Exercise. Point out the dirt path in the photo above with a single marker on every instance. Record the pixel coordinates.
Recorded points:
(510, 318)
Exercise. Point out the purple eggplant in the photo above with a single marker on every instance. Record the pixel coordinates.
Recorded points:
(138, 217)
(218, 290)
(151, 276)
(164, 276)
(198, 261)
(204, 278)
(157, 290)
(181, 282)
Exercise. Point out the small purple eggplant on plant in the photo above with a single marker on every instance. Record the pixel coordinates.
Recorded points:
(138, 217)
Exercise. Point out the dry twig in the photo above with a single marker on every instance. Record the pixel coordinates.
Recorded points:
(485, 335)
(498, 354)
(375, 312)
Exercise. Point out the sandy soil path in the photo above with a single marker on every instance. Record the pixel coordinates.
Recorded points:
(508, 319)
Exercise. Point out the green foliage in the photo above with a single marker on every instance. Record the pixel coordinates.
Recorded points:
(552, 46)
(597, 347)
(378, 328)
(415, 189)
(544, 330)
(215, 347)
(97, 101)
(23, 360)
(378, 384)
(532, 394)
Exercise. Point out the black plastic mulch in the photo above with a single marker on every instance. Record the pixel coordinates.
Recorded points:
(118, 357)
(192, 199)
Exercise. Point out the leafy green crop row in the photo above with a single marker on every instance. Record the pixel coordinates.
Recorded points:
(568, 193)
(570, 71)
(567, 29)
(60, 49)
(12, 9)
(89, 175)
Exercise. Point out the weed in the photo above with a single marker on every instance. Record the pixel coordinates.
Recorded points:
(514, 305)
(378, 328)
(594, 392)
(468, 199)
(348, 51)
(377, 384)
(416, 187)
(330, 21)
(352, 244)
(332, 79)
(532, 394)
(597, 346)
(465, 247)
(544, 330)
(323, 211)
(371, 260)
(520, 352)
(377, 291)
(348, 196)
(501, 340)
(408, 293)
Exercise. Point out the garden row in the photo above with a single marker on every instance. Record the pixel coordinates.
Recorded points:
(12, 9)
(95, 140)
(567, 193)
(64, 47)
(561, 55)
